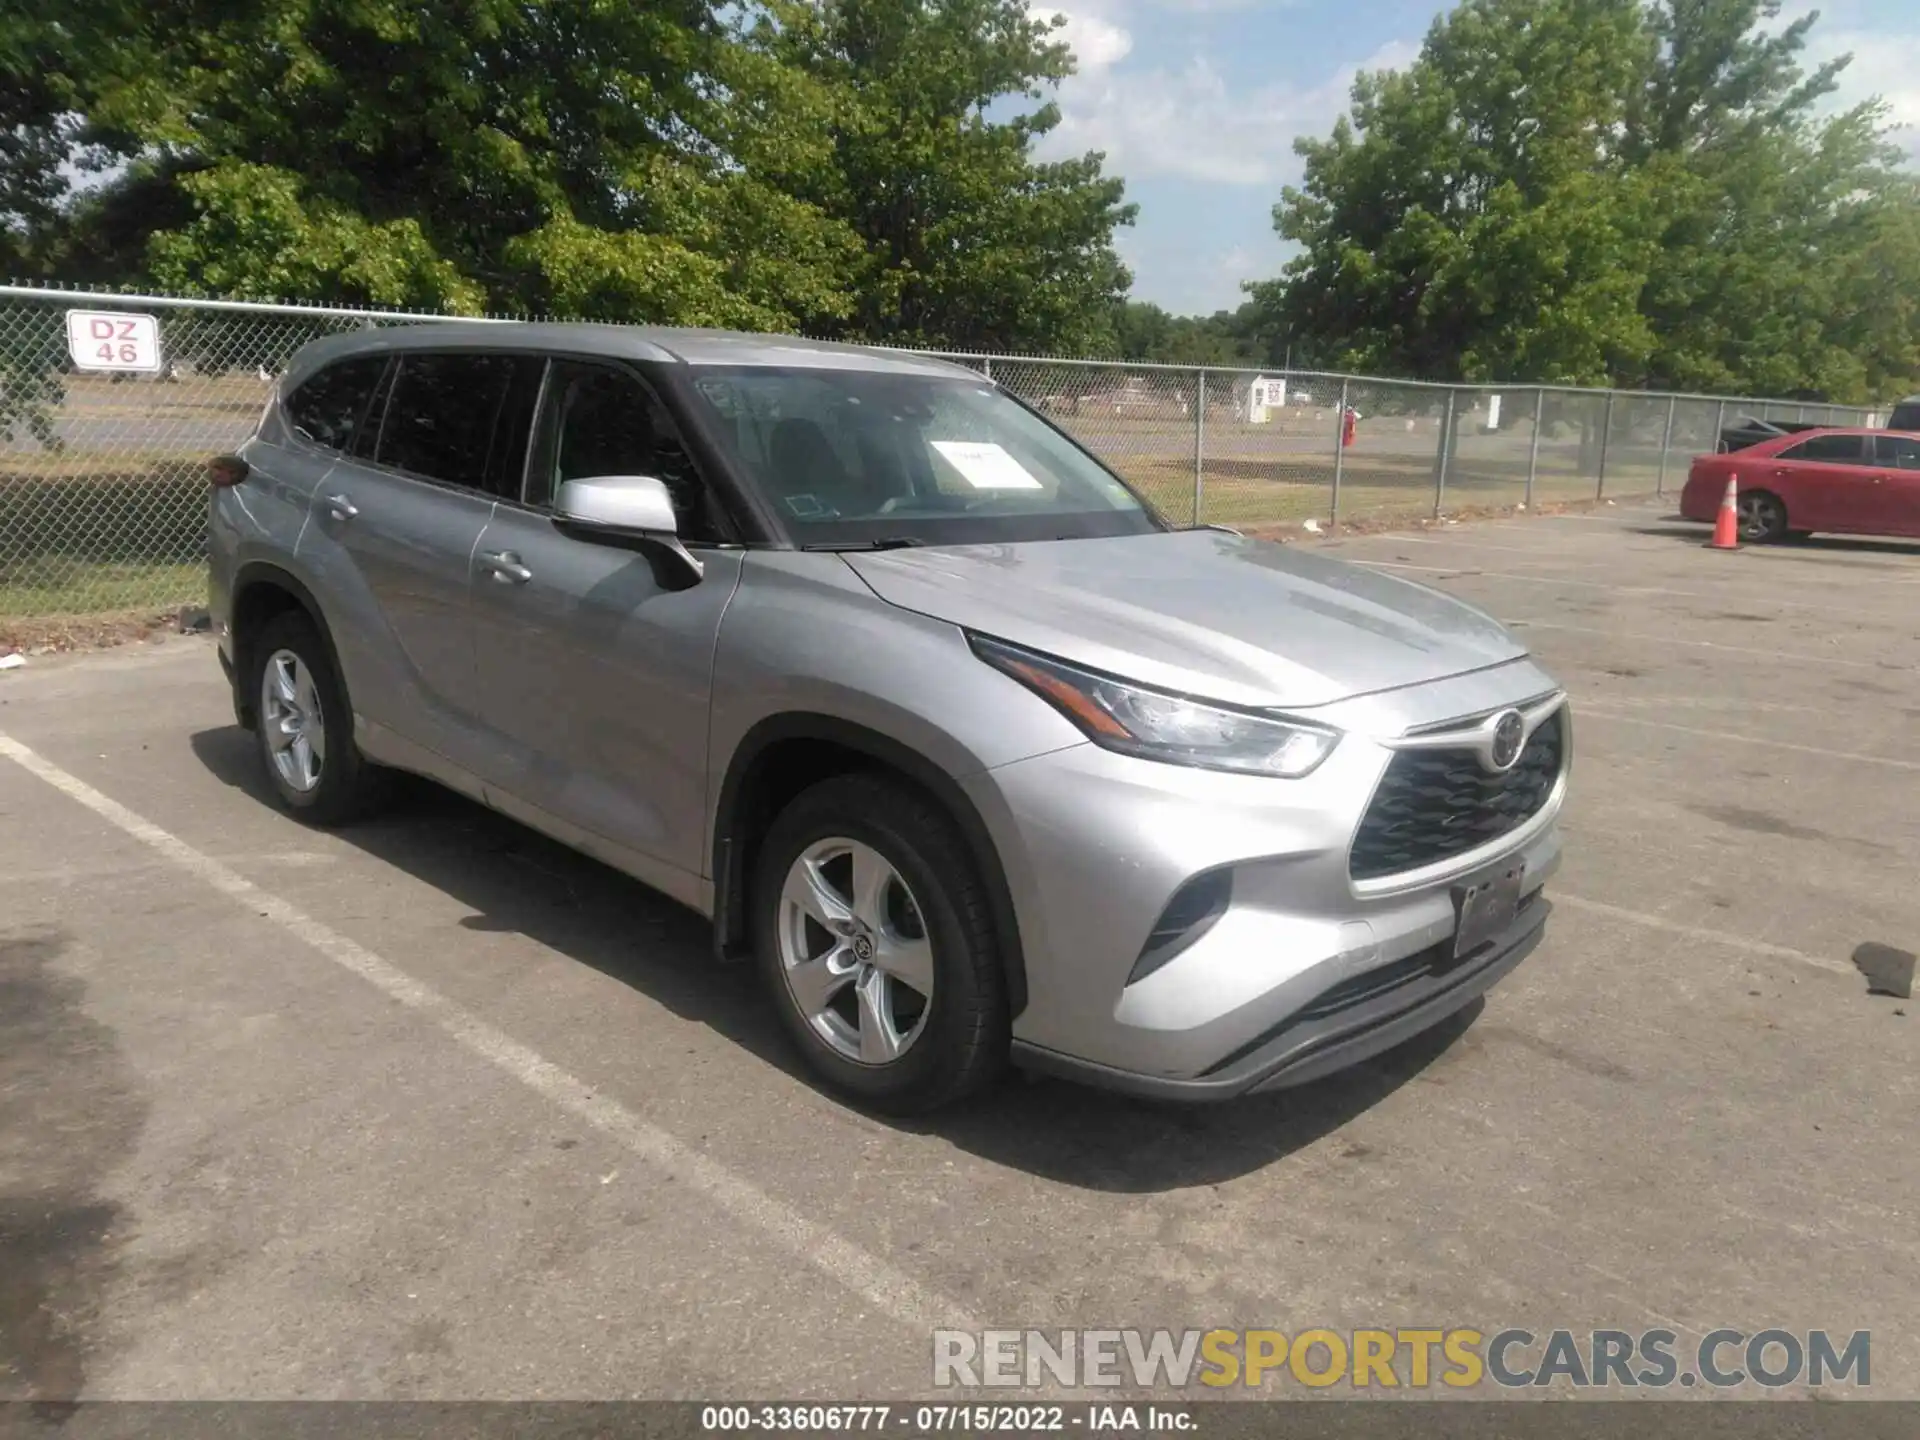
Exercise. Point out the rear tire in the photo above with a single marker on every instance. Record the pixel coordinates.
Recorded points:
(1763, 517)
(875, 942)
(304, 725)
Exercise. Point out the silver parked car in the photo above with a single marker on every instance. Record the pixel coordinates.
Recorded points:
(977, 758)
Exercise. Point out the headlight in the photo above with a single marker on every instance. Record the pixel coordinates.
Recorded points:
(1155, 725)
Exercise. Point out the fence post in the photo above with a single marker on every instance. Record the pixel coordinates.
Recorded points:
(1606, 438)
(1666, 444)
(1533, 450)
(1719, 424)
(1339, 450)
(986, 366)
(1199, 445)
(1446, 450)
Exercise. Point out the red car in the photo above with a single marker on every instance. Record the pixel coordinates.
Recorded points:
(1846, 482)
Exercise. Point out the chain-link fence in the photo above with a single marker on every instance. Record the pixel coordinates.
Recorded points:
(103, 493)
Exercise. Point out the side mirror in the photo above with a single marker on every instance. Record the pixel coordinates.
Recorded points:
(630, 509)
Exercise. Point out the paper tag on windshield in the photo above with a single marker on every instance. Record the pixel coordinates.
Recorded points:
(985, 466)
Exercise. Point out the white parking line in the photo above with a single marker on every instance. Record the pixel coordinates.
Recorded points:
(867, 1276)
(1698, 932)
(1470, 572)
(1797, 657)
(1601, 713)
(1464, 543)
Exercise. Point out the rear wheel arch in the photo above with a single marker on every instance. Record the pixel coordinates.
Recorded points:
(1756, 500)
(783, 756)
(262, 591)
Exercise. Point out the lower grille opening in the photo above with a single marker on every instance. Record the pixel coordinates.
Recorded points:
(1436, 959)
(1432, 964)
(1432, 805)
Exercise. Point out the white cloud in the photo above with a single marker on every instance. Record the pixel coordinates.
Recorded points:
(1190, 123)
(1885, 63)
(1209, 7)
(1096, 43)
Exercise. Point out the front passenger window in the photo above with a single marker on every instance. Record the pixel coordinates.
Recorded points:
(1897, 452)
(600, 421)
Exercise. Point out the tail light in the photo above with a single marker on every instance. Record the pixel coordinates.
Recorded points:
(226, 471)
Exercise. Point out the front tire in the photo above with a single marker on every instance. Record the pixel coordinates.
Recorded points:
(304, 726)
(875, 941)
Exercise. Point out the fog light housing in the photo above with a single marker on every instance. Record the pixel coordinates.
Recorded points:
(1190, 914)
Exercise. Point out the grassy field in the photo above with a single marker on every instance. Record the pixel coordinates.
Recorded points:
(77, 538)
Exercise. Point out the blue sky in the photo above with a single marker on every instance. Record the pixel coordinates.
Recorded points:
(1196, 103)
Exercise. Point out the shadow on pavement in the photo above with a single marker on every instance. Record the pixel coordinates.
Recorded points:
(518, 881)
(1818, 546)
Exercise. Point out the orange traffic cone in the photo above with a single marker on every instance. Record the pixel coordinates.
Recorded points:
(1726, 526)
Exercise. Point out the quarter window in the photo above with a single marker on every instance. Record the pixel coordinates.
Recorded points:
(330, 409)
(462, 419)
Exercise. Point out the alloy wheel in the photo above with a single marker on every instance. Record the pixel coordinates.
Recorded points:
(854, 951)
(292, 720)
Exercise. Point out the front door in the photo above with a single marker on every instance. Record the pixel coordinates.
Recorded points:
(1898, 461)
(596, 677)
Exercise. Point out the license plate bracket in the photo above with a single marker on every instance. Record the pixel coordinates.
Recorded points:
(1486, 909)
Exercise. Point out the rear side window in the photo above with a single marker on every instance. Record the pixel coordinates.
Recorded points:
(1906, 416)
(462, 419)
(1900, 452)
(330, 409)
(1834, 449)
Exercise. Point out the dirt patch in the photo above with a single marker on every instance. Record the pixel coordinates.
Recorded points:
(54, 634)
(1452, 518)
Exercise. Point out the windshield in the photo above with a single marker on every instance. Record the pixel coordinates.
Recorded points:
(854, 457)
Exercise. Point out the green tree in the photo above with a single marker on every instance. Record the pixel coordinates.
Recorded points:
(513, 154)
(968, 241)
(1604, 191)
(1230, 339)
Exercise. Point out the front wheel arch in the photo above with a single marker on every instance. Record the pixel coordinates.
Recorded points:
(785, 754)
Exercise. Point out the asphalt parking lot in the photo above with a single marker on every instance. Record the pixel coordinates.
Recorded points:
(435, 1109)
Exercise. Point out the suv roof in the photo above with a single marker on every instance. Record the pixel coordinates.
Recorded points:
(626, 342)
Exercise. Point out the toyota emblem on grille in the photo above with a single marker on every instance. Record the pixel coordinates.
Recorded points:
(1508, 734)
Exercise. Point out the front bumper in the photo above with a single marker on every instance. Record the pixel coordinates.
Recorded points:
(1412, 997)
(1306, 969)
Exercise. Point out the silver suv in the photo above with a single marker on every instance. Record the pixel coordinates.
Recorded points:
(977, 758)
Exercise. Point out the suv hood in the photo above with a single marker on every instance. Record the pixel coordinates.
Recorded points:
(1202, 612)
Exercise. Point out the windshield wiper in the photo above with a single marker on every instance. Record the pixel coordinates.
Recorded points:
(885, 542)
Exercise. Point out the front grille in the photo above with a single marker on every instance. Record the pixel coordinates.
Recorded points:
(1435, 804)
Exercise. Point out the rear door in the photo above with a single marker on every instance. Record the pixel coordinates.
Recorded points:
(398, 529)
(595, 677)
(1826, 481)
(1898, 460)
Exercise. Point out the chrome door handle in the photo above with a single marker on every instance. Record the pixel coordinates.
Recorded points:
(506, 567)
(341, 508)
